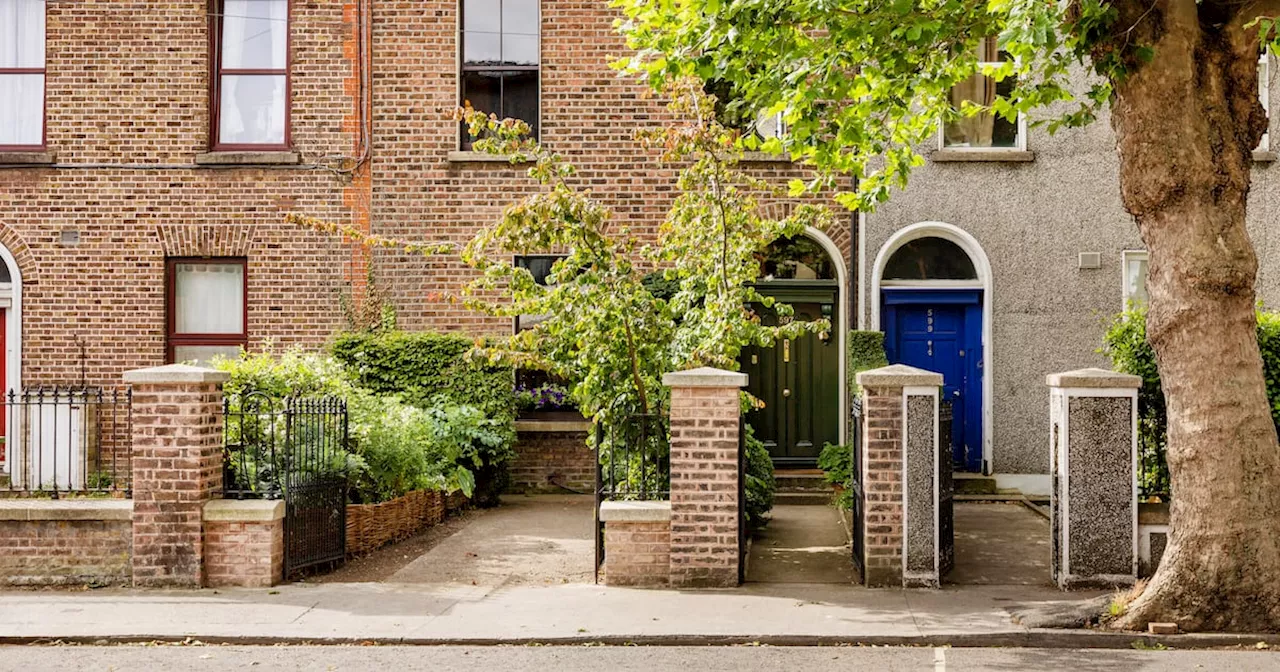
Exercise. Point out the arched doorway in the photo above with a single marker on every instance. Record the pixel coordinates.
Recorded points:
(932, 287)
(801, 381)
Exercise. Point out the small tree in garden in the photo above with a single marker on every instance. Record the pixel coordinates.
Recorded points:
(604, 330)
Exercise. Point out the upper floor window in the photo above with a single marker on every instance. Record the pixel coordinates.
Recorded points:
(986, 130)
(731, 113)
(251, 74)
(1135, 276)
(500, 59)
(21, 74)
(206, 312)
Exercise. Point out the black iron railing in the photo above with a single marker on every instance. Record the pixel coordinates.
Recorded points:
(858, 496)
(272, 444)
(634, 458)
(60, 440)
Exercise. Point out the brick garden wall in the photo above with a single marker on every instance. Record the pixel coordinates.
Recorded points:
(64, 552)
(637, 553)
(249, 554)
(545, 461)
(883, 485)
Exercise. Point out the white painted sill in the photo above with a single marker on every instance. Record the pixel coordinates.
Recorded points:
(982, 156)
(764, 157)
(1265, 155)
(484, 157)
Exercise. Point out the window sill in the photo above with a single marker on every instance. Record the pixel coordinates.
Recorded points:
(247, 158)
(764, 157)
(1265, 155)
(27, 158)
(982, 156)
(484, 157)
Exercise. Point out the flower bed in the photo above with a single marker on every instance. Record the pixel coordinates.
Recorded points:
(371, 526)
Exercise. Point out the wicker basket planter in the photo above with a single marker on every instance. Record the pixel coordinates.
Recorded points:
(371, 526)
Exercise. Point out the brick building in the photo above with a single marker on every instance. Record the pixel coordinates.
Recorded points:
(150, 150)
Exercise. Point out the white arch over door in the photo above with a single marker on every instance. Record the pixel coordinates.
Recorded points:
(11, 302)
(978, 256)
(842, 301)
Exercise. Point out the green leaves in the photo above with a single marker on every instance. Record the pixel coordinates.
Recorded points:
(866, 82)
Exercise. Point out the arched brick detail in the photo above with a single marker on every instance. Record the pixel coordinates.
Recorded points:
(17, 246)
(189, 240)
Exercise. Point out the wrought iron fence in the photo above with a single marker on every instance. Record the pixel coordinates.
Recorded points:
(633, 462)
(272, 444)
(633, 458)
(68, 439)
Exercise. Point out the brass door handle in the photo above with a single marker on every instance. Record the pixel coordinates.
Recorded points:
(786, 392)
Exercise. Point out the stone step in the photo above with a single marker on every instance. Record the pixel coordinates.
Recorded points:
(803, 498)
(974, 484)
(801, 480)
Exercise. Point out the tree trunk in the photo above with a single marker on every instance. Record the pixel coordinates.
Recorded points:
(1186, 124)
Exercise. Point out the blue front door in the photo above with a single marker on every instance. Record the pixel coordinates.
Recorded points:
(941, 331)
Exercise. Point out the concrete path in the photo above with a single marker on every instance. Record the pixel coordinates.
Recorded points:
(621, 659)
(801, 544)
(489, 613)
(1000, 544)
(528, 540)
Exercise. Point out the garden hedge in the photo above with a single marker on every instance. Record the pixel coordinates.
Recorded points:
(1125, 344)
(420, 365)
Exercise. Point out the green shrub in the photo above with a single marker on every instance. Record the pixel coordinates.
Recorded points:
(396, 446)
(761, 485)
(836, 463)
(1125, 344)
(420, 365)
(866, 352)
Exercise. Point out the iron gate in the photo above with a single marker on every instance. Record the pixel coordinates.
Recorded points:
(295, 450)
(946, 492)
(858, 512)
(633, 463)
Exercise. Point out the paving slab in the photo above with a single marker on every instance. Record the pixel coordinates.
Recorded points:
(539, 540)
(801, 544)
(1000, 544)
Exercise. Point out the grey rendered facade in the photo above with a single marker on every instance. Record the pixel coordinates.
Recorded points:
(1033, 219)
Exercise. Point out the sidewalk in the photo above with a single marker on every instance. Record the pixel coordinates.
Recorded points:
(456, 613)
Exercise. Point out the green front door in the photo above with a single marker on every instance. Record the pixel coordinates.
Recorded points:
(798, 380)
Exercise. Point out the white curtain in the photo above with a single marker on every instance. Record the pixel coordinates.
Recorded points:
(21, 96)
(209, 299)
(255, 35)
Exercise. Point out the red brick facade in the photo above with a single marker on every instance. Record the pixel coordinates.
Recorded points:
(127, 123)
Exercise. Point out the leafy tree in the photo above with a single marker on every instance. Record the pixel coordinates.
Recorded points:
(864, 82)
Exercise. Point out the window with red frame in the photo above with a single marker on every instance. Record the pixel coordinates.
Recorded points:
(250, 97)
(21, 74)
(206, 312)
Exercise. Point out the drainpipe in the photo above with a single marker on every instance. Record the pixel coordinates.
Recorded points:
(855, 278)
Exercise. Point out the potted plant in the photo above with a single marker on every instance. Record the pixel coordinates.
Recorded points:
(548, 401)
